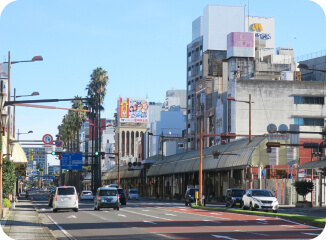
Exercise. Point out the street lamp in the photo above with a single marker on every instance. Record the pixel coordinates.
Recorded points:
(249, 102)
(14, 113)
(35, 58)
(22, 133)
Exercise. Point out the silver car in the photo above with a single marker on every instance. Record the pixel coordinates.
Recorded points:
(106, 197)
(65, 198)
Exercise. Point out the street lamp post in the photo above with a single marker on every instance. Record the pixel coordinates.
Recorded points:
(22, 133)
(14, 113)
(35, 58)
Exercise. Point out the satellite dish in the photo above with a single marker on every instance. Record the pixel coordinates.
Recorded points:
(271, 128)
(283, 128)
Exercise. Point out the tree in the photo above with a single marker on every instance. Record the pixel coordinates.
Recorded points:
(8, 177)
(303, 187)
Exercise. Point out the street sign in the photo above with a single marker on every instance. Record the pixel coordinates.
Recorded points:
(72, 161)
(47, 139)
(41, 164)
(58, 144)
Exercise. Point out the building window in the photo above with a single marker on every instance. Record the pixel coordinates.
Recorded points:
(201, 66)
(308, 100)
(309, 121)
(201, 50)
(189, 56)
(189, 71)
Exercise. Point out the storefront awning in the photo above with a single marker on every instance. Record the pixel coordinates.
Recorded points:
(18, 154)
(125, 172)
(236, 154)
(314, 164)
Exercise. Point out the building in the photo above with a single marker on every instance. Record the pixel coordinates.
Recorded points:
(37, 157)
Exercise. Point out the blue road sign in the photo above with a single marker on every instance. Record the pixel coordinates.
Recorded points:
(72, 161)
(41, 164)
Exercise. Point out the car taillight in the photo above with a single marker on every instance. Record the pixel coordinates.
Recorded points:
(55, 197)
(76, 197)
(118, 197)
(99, 198)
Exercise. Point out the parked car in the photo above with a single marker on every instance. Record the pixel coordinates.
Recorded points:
(65, 198)
(260, 199)
(233, 197)
(51, 195)
(106, 197)
(86, 195)
(133, 193)
(122, 196)
(190, 196)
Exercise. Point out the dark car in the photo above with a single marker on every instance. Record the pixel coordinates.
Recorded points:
(123, 199)
(190, 196)
(51, 195)
(233, 197)
(106, 197)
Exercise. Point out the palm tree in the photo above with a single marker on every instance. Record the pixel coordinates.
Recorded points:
(78, 117)
(96, 91)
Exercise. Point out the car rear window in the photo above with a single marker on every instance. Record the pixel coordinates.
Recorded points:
(120, 191)
(133, 191)
(108, 192)
(237, 193)
(87, 193)
(66, 191)
(192, 191)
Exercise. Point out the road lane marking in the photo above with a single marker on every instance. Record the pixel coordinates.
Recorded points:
(170, 214)
(62, 230)
(120, 215)
(212, 221)
(150, 222)
(147, 215)
(311, 233)
(220, 236)
(72, 216)
(145, 210)
(215, 213)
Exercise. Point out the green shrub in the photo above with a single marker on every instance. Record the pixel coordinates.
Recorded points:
(6, 203)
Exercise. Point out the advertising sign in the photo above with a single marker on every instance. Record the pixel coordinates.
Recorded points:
(4, 70)
(134, 110)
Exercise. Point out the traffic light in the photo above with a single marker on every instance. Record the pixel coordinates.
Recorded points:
(100, 153)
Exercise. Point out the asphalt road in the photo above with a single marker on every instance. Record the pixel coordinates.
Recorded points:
(149, 219)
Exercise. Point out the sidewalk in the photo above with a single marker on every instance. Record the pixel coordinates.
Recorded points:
(24, 222)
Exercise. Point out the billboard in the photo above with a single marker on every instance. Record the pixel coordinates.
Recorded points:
(134, 110)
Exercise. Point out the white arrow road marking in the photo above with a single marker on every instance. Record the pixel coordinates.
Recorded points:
(171, 214)
(220, 236)
(72, 216)
(120, 215)
(150, 222)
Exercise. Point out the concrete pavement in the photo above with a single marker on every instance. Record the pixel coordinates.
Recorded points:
(24, 222)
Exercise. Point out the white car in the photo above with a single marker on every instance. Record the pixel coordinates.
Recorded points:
(65, 198)
(133, 194)
(260, 199)
(86, 195)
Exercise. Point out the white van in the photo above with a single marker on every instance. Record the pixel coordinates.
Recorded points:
(65, 198)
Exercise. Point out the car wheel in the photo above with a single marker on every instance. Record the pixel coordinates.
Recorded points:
(186, 203)
(117, 208)
(240, 206)
(226, 205)
(243, 207)
(274, 211)
(55, 210)
(76, 209)
(251, 207)
(98, 208)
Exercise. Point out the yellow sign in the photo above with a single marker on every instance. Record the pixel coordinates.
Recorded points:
(30, 154)
(257, 27)
(196, 195)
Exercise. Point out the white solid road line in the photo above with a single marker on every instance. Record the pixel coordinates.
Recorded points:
(150, 222)
(62, 230)
(170, 214)
(220, 236)
(120, 215)
(146, 215)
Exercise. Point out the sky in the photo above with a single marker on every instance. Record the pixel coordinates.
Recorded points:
(140, 43)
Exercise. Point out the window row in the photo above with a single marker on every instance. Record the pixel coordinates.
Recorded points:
(308, 100)
(309, 121)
